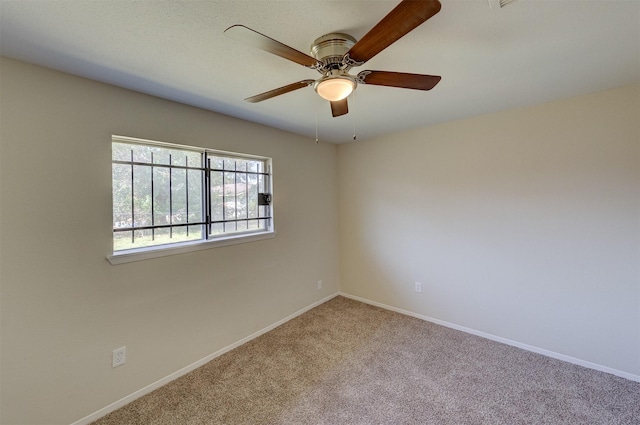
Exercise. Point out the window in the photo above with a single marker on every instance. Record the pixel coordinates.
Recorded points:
(170, 196)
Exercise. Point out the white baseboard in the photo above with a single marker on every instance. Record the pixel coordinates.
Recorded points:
(527, 347)
(175, 375)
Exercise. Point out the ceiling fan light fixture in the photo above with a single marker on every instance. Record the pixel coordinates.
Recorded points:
(335, 88)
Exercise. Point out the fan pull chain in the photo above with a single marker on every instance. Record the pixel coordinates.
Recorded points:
(353, 113)
(316, 127)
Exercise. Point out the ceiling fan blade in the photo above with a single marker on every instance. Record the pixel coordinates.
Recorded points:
(400, 21)
(261, 41)
(339, 107)
(399, 79)
(277, 92)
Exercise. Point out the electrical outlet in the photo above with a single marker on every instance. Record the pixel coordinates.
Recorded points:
(319, 285)
(119, 357)
(418, 287)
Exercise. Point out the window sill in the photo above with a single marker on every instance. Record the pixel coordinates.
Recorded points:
(182, 248)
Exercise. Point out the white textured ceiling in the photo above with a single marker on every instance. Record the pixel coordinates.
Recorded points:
(490, 58)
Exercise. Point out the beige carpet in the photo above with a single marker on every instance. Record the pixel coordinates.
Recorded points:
(345, 362)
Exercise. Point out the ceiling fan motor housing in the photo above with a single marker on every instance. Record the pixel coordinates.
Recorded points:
(330, 50)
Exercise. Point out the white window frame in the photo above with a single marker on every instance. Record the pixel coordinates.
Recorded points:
(155, 251)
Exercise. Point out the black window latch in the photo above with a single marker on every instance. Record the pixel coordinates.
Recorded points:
(264, 198)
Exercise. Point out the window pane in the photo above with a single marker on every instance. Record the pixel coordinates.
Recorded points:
(254, 224)
(121, 152)
(229, 196)
(229, 164)
(195, 232)
(178, 196)
(121, 176)
(241, 196)
(217, 228)
(252, 195)
(183, 234)
(141, 196)
(217, 195)
(195, 196)
(160, 155)
(141, 153)
(122, 240)
(217, 163)
(161, 196)
(194, 159)
(152, 237)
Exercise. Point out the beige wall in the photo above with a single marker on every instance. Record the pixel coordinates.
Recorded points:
(522, 224)
(64, 307)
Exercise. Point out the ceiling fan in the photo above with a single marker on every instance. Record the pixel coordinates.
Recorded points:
(333, 55)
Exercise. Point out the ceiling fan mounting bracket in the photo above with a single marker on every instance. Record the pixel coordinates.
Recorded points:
(330, 50)
(349, 62)
(361, 77)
